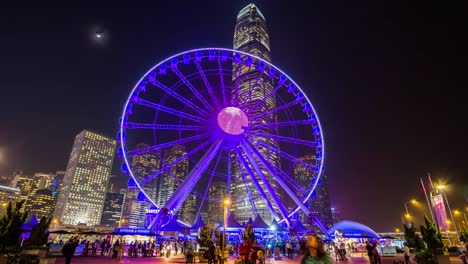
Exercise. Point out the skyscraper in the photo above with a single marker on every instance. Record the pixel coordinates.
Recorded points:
(7, 194)
(135, 205)
(81, 198)
(42, 204)
(336, 216)
(39, 181)
(112, 211)
(23, 183)
(217, 194)
(169, 181)
(188, 210)
(319, 202)
(251, 36)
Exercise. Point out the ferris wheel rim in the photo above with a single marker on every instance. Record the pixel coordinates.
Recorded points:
(128, 100)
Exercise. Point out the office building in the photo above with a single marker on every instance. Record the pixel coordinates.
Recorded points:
(251, 36)
(42, 204)
(112, 211)
(319, 202)
(81, 198)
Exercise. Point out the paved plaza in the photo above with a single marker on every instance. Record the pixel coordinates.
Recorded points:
(181, 259)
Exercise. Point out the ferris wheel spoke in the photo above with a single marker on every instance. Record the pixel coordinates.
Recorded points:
(251, 91)
(285, 139)
(208, 185)
(193, 89)
(169, 110)
(221, 78)
(288, 156)
(257, 184)
(207, 84)
(180, 195)
(228, 187)
(131, 125)
(265, 98)
(166, 145)
(248, 151)
(266, 165)
(281, 124)
(177, 96)
(249, 192)
(279, 108)
(175, 162)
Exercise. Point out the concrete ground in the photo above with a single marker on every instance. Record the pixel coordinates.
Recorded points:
(181, 259)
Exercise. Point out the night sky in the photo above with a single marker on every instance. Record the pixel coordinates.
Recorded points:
(387, 81)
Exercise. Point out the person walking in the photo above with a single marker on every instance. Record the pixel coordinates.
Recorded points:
(376, 253)
(315, 253)
(370, 252)
(289, 249)
(68, 250)
(407, 253)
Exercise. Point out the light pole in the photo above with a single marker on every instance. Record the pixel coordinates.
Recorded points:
(408, 215)
(227, 202)
(441, 188)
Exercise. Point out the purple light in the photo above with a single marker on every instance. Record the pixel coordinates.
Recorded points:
(232, 119)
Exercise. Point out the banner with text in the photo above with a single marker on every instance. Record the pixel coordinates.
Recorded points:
(439, 209)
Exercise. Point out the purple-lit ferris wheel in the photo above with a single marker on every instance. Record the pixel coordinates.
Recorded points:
(234, 118)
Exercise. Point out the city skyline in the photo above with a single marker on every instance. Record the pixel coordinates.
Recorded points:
(366, 119)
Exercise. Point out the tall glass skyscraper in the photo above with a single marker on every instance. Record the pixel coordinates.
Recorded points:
(319, 203)
(135, 205)
(167, 181)
(251, 36)
(81, 198)
(217, 194)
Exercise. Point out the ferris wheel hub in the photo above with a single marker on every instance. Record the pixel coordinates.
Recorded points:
(232, 120)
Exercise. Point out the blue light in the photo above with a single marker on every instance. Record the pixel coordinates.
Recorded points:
(186, 58)
(291, 88)
(282, 79)
(141, 197)
(299, 97)
(163, 69)
(237, 58)
(198, 55)
(271, 72)
(211, 55)
(306, 108)
(129, 111)
(124, 168)
(120, 152)
(261, 66)
(224, 56)
(174, 63)
(248, 61)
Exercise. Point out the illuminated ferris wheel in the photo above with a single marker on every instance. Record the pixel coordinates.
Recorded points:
(237, 118)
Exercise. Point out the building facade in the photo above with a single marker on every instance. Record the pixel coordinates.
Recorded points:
(319, 202)
(112, 211)
(42, 204)
(135, 204)
(169, 181)
(7, 194)
(81, 198)
(39, 181)
(217, 194)
(251, 36)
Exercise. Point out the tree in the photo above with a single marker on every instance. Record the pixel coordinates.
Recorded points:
(204, 239)
(413, 239)
(39, 233)
(10, 225)
(248, 234)
(464, 235)
(432, 236)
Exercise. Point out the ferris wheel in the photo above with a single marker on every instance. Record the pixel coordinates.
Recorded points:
(236, 119)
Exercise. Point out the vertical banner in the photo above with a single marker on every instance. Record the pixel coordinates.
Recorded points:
(439, 210)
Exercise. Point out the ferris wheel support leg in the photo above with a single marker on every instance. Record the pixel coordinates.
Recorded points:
(283, 184)
(257, 184)
(179, 196)
(248, 151)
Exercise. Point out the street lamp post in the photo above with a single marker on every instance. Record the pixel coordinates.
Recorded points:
(227, 202)
(408, 215)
